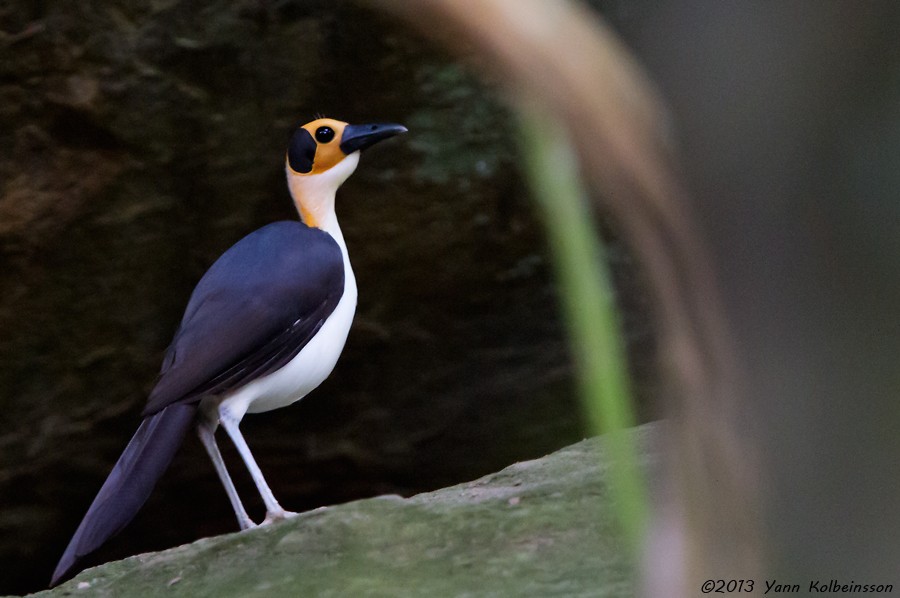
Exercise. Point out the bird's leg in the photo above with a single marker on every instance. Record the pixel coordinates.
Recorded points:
(274, 511)
(206, 430)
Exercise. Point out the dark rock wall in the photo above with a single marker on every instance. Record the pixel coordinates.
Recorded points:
(140, 140)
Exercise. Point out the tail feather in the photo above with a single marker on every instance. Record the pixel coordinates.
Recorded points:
(128, 486)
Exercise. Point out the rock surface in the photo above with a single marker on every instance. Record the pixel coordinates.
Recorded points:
(139, 141)
(537, 528)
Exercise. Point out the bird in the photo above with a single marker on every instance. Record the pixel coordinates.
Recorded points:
(264, 326)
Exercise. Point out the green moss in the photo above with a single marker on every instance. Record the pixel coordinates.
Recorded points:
(537, 528)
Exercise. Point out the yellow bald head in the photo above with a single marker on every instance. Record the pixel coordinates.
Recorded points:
(316, 146)
(314, 154)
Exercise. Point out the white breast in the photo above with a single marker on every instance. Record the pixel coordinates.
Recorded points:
(310, 367)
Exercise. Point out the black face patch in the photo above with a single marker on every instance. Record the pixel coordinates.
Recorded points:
(302, 151)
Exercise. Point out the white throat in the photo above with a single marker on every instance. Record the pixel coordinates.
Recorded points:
(313, 194)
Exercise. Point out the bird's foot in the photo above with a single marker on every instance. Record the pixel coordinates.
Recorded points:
(273, 516)
(246, 523)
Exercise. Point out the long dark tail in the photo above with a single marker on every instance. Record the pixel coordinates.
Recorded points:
(128, 486)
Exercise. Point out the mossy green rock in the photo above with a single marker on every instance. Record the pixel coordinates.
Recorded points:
(537, 528)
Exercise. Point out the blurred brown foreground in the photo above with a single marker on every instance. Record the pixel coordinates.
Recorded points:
(763, 206)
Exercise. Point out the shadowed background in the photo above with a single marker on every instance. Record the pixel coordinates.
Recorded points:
(139, 145)
(140, 142)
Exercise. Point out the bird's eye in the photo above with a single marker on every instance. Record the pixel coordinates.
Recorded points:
(324, 134)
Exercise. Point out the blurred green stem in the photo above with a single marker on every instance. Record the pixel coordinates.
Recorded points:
(588, 305)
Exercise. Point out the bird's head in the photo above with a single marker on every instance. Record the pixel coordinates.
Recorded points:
(320, 157)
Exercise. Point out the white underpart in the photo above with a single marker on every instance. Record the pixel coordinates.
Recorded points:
(311, 366)
(317, 359)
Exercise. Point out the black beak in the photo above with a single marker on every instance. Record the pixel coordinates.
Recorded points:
(359, 137)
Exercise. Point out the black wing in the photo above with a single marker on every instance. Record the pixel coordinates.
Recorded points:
(252, 312)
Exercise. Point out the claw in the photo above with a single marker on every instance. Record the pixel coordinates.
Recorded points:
(273, 516)
(247, 524)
